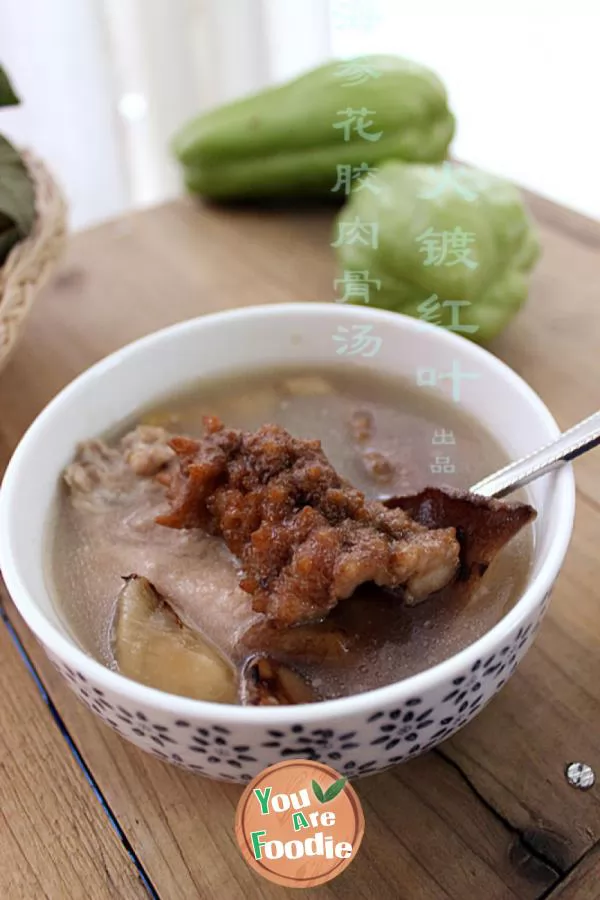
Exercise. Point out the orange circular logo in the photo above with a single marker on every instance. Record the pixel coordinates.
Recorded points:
(299, 823)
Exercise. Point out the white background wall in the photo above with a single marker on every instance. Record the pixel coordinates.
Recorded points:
(106, 82)
(56, 53)
(524, 83)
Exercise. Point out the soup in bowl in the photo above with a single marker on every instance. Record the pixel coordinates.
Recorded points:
(243, 538)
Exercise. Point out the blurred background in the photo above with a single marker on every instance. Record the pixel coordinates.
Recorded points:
(105, 83)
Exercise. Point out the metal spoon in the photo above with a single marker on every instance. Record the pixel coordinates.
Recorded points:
(568, 446)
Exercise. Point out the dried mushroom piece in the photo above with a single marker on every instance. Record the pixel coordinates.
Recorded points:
(267, 682)
(483, 526)
(153, 646)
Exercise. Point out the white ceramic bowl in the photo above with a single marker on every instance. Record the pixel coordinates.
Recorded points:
(358, 734)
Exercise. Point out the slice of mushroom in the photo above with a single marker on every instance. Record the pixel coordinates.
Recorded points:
(153, 646)
(267, 682)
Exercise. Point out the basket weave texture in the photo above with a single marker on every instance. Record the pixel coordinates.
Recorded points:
(31, 261)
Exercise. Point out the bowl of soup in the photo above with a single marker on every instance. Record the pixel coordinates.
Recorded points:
(175, 530)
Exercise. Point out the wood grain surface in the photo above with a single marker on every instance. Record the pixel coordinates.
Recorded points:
(583, 883)
(488, 815)
(55, 839)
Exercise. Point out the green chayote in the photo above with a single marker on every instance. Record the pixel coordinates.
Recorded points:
(448, 244)
(292, 139)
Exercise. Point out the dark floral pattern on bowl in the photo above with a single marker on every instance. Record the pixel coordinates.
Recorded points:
(353, 743)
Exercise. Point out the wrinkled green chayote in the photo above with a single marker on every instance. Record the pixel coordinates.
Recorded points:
(292, 139)
(448, 244)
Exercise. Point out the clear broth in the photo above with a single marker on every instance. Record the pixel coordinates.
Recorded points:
(431, 441)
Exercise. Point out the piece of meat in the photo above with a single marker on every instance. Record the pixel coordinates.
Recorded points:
(378, 466)
(483, 526)
(110, 530)
(97, 470)
(314, 644)
(267, 682)
(362, 425)
(103, 473)
(304, 536)
(146, 449)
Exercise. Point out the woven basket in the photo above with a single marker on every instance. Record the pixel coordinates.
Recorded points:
(31, 261)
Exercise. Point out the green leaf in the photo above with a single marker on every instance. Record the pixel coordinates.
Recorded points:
(334, 789)
(318, 791)
(8, 238)
(17, 198)
(7, 94)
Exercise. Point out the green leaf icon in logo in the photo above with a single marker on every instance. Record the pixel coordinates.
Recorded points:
(332, 791)
(318, 792)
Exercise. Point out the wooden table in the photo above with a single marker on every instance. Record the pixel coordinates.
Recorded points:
(488, 815)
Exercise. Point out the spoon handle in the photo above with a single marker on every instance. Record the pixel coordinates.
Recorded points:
(568, 446)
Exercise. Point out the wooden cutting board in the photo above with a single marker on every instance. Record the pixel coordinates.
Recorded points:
(488, 815)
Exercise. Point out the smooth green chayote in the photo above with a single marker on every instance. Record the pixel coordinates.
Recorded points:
(290, 140)
(448, 244)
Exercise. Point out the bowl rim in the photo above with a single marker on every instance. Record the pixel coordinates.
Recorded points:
(398, 692)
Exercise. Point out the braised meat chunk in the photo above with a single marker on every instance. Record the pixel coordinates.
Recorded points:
(305, 538)
(483, 526)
